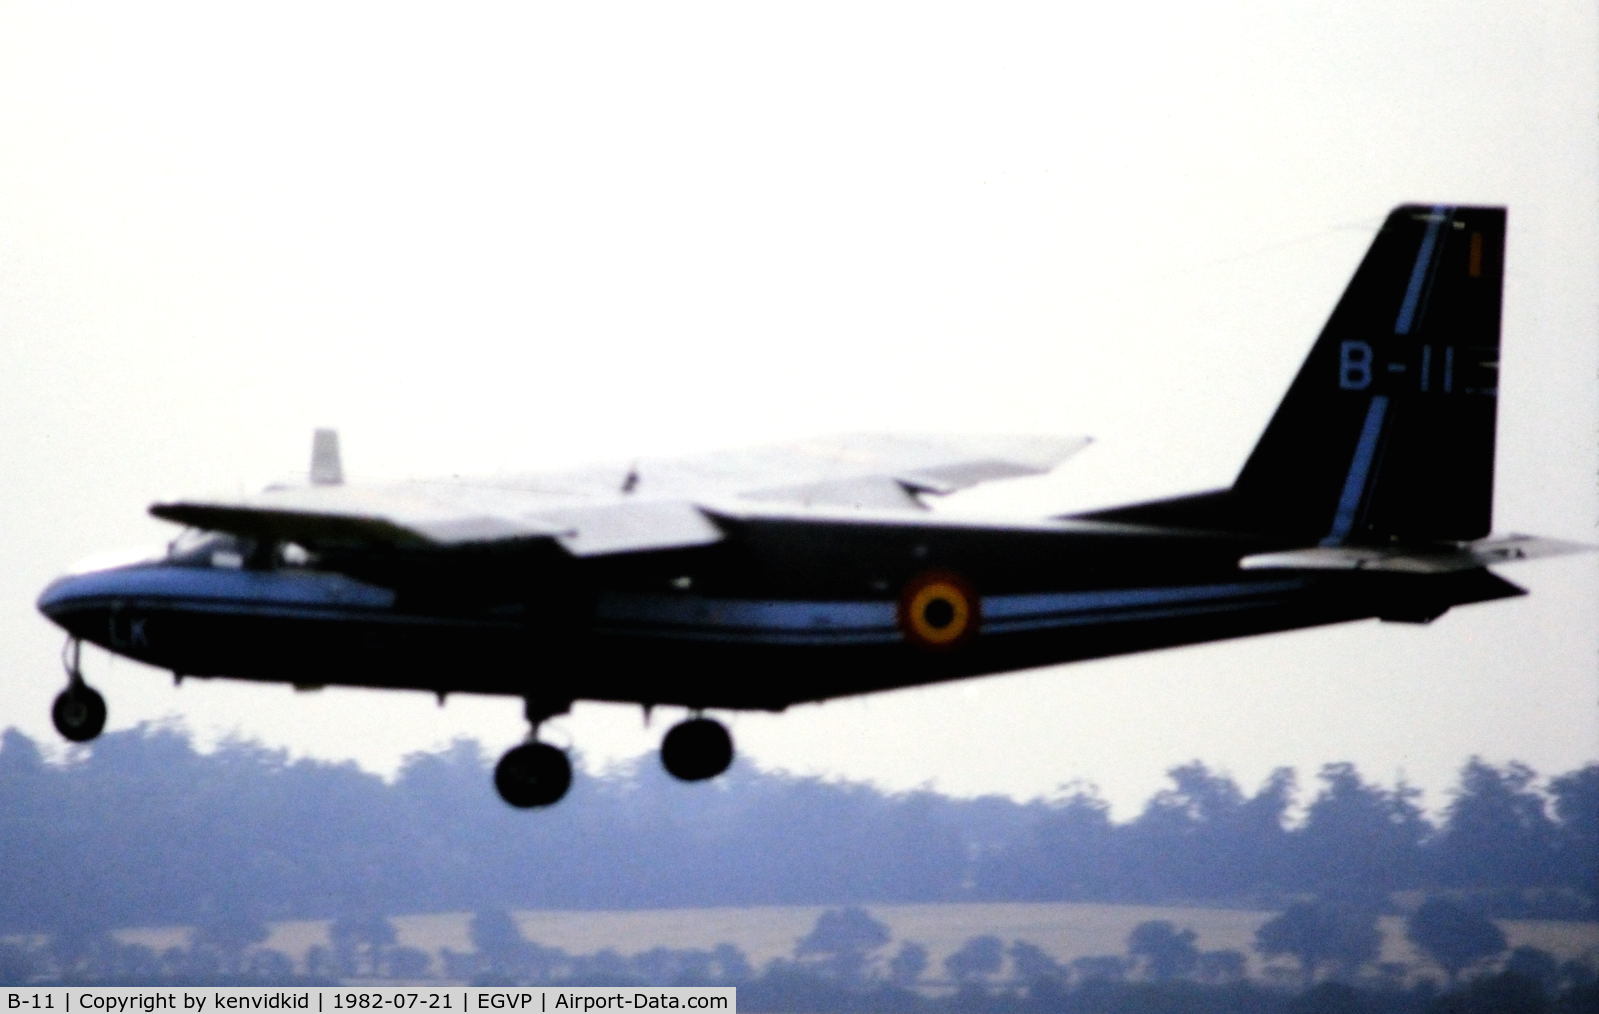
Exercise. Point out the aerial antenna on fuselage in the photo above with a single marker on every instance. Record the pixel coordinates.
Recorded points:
(326, 467)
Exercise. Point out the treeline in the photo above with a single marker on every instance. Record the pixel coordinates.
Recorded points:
(142, 828)
(846, 963)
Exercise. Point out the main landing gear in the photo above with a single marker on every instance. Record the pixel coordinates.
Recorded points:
(79, 710)
(538, 774)
(697, 749)
(535, 774)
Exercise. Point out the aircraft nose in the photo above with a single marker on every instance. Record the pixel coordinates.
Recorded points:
(66, 601)
(69, 598)
(55, 596)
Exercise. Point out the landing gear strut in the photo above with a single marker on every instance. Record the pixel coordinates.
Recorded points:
(79, 711)
(697, 749)
(534, 774)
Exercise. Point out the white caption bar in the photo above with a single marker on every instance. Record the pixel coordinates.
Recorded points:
(367, 1000)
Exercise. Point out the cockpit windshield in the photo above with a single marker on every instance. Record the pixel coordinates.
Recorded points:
(196, 547)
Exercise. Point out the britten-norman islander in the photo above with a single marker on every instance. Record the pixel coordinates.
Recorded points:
(763, 578)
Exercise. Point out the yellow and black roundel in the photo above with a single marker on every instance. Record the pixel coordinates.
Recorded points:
(937, 610)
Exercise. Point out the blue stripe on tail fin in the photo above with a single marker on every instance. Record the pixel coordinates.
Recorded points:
(1387, 432)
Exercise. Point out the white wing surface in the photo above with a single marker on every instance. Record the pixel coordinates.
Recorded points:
(651, 506)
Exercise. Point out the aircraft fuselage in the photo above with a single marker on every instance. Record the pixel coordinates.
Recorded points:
(784, 611)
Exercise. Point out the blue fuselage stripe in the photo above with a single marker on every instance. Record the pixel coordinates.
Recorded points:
(813, 622)
(1001, 607)
(326, 598)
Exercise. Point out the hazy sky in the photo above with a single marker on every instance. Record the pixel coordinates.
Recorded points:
(508, 235)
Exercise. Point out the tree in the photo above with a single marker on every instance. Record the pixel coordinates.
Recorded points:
(1360, 841)
(270, 965)
(1496, 833)
(1454, 937)
(978, 958)
(1101, 968)
(1167, 953)
(732, 964)
(364, 935)
(846, 939)
(1321, 935)
(1329, 998)
(410, 963)
(1219, 967)
(1504, 993)
(1538, 965)
(20, 756)
(1576, 836)
(693, 967)
(498, 940)
(1066, 852)
(1032, 963)
(229, 935)
(81, 949)
(320, 965)
(907, 964)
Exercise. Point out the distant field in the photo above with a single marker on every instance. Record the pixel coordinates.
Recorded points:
(1065, 931)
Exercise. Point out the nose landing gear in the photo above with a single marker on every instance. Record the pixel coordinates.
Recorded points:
(79, 711)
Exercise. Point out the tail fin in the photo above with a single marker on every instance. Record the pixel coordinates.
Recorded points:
(327, 468)
(1387, 433)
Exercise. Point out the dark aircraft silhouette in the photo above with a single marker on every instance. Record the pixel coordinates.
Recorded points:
(763, 578)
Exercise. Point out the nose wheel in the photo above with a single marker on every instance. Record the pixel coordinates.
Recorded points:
(79, 711)
(697, 749)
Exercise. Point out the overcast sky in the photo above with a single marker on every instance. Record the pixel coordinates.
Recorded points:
(494, 236)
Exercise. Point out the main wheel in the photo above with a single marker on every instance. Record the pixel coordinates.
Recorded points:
(79, 713)
(533, 774)
(697, 749)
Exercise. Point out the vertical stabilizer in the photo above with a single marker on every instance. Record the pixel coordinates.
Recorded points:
(1387, 433)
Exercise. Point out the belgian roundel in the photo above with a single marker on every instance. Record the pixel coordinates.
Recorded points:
(938, 610)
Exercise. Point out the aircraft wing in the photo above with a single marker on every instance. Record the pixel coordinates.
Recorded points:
(874, 470)
(406, 517)
(651, 506)
(1402, 559)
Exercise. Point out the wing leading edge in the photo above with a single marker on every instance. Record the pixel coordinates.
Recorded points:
(658, 507)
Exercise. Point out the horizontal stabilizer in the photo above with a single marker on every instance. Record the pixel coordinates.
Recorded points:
(1444, 558)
